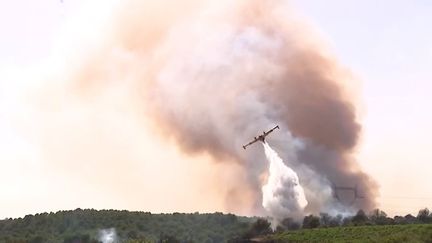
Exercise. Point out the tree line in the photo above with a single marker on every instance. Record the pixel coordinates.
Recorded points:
(375, 217)
(262, 227)
(83, 226)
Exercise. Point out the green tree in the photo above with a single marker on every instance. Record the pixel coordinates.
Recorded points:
(360, 218)
(424, 215)
(311, 221)
(38, 239)
(336, 221)
(379, 217)
(325, 219)
(260, 227)
(168, 239)
(290, 224)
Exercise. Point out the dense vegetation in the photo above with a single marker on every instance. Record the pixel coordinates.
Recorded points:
(376, 233)
(83, 226)
(361, 227)
(373, 227)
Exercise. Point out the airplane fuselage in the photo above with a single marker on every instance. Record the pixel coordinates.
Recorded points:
(261, 137)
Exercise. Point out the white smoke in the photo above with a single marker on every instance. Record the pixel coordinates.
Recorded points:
(108, 236)
(283, 196)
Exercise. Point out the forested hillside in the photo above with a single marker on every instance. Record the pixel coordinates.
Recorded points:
(85, 225)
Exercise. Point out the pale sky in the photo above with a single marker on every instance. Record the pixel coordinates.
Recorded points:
(386, 44)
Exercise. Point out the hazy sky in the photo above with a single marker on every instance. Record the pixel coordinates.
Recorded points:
(386, 44)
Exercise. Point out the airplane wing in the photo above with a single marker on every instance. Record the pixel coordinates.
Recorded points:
(254, 141)
(261, 137)
(271, 130)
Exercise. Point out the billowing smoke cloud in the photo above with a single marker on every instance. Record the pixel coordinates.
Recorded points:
(208, 76)
(231, 71)
(283, 194)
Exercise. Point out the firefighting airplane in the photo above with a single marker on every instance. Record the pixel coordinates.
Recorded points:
(261, 137)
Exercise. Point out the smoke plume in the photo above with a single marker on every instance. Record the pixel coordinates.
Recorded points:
(108, 236)
(208, 76)
(237, 68)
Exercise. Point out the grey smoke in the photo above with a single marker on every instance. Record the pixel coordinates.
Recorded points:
(234, 73)
(211, 75)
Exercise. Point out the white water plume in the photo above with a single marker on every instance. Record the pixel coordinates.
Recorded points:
(283, 196)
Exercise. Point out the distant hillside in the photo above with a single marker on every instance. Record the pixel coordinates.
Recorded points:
(85, 226)
(81, 226)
